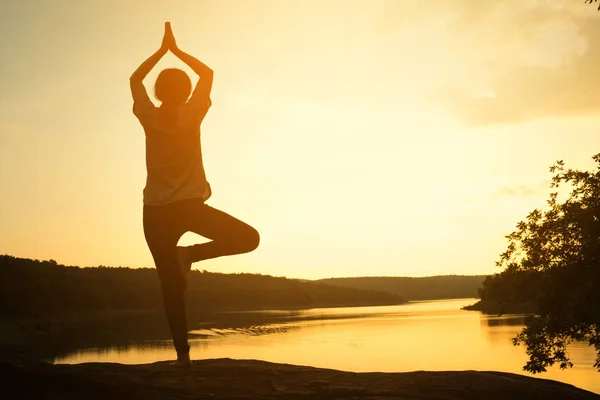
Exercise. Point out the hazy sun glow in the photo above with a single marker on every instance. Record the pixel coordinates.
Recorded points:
(359, 137)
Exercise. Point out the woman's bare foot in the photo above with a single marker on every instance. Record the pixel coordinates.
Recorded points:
(185, 262)
(183, 360)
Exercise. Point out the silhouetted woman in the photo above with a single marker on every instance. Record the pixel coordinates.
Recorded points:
(176, 186)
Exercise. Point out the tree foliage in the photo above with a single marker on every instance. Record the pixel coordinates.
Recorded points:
(46, 290)
(592, 2)
(553, 260)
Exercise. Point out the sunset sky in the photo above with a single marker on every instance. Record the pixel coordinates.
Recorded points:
(361, 138)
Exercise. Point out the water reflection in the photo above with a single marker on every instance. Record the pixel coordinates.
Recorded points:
(435, 335)
(500, 330)
(504, 320)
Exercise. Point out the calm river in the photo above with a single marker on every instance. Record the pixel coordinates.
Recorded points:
(428, 335)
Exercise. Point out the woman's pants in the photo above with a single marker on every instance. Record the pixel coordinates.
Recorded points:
(163, 227)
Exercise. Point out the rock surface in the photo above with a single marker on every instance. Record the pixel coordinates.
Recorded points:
(251, 379)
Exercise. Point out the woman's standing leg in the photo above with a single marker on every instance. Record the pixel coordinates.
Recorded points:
(162, 230)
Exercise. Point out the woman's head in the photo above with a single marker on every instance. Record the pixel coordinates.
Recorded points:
(173, 86)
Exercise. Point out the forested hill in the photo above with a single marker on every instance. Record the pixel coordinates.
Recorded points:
(38, 289)
(428, 288)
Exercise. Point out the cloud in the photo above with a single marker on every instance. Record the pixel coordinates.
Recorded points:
(504, 61)
(558, 78)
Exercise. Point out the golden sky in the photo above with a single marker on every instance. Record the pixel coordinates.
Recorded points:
(379, 137)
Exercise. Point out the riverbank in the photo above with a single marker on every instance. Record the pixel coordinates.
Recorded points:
(252, 379)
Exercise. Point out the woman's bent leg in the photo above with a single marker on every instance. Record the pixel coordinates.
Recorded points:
(229, 235)
(162, 233)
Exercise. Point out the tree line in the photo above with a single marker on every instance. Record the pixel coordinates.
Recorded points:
(416, 288)
(45, 289)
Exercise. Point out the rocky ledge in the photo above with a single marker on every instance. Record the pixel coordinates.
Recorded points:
(251, 379)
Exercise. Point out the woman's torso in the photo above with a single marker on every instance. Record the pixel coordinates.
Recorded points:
(173, 156)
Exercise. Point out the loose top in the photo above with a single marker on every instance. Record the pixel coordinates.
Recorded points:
(173, 152)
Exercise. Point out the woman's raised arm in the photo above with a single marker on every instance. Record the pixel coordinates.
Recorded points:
(136, 80)
(201, 93)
